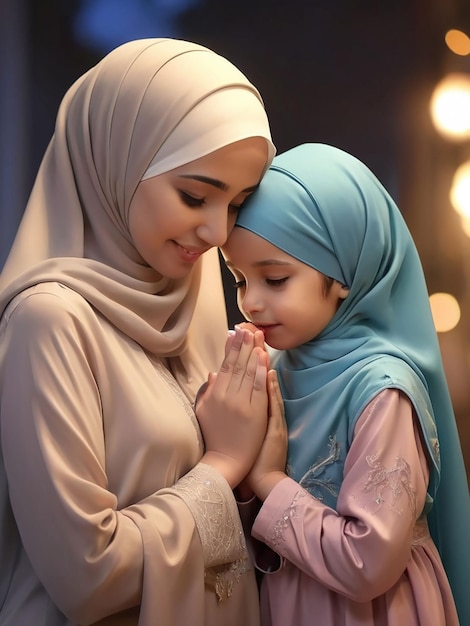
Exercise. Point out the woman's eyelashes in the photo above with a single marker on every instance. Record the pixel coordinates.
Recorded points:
(198, 201)
(191, 201)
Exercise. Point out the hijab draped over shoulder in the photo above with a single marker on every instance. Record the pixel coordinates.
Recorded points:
(149, 106)
(326, 208)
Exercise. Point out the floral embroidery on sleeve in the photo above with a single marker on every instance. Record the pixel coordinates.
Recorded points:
(314, 480)
(388, 485)
(277, 535)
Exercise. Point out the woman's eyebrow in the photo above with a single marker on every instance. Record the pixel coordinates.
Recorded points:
(263, 263)
(215, 182)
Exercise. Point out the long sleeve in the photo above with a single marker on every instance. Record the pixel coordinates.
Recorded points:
(95, 455)
(361, 549)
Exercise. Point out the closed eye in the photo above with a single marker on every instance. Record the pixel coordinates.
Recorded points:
(190, 200)
(276, 282)
(240, 283)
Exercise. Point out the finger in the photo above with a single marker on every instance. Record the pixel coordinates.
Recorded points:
(200, 392)
(253, 383)
(228, 343)
(258, 334)
(276, 401)
(232, 348)
(248, 326)
(238, 367)
(259, 339)
(203, 390)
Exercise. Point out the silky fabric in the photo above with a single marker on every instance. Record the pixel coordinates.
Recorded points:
(112, 123)
(326, 208)
(100, 476)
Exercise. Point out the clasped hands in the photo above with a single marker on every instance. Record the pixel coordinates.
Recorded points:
(241, 415)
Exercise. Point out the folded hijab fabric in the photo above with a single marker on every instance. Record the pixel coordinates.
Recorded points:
(149, 106)
(325, 208)
(99, 437)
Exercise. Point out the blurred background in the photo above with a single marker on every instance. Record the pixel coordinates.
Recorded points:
(388, 81)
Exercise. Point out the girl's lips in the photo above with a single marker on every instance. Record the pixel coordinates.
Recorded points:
(266, 327)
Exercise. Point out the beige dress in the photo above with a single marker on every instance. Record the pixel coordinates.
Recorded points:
(106, 514)
(113, 512)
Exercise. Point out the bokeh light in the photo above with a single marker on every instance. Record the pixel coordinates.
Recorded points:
(445, 311)
(460, 190)
(450, 106)
(458, 42)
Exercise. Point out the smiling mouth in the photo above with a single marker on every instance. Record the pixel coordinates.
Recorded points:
(190, 253)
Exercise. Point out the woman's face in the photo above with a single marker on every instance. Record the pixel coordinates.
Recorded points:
(177, 216)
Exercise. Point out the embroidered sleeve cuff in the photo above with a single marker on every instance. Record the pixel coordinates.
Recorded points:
(210, 500)
(271, 520)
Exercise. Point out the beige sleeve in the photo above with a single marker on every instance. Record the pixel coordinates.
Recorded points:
(95, 558)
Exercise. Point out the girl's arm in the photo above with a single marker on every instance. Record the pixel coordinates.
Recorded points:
(361, 549)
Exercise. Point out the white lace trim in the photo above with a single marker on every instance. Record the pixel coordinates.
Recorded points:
(211, 502)
(277, 535)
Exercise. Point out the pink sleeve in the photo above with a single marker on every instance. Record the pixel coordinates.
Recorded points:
(360, 549)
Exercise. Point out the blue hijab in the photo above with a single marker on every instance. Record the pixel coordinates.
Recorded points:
(326, 208)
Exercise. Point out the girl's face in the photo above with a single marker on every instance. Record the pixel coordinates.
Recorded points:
(177, 216)
(282, 296)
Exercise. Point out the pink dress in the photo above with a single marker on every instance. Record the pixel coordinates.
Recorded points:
(371, 561)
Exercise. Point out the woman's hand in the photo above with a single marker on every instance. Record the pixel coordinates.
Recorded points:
(258, 335)
(232, 410)
(270, 465)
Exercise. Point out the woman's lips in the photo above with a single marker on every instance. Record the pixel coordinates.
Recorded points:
(187, 254)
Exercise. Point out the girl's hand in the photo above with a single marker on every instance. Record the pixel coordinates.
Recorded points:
(232, 409)
(270, 466)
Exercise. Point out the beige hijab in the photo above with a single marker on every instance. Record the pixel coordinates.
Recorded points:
(147, 107)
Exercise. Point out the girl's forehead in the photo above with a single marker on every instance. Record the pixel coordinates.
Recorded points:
(244, 247)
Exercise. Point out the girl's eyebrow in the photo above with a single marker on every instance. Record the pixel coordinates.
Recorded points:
(215, 182)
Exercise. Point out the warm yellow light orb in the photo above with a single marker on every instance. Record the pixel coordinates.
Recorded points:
(445, 311)
(460, 190)
(458, 42)
(450, 106)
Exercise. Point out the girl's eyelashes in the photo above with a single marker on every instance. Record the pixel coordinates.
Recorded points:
(271, 282)
(276, 282)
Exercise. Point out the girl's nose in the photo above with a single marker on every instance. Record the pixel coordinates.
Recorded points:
(250, 302)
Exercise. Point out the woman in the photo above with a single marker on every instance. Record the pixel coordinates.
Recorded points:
(112, 511)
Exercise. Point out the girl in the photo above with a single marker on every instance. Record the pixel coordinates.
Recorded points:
(111, 509)
(326, 267)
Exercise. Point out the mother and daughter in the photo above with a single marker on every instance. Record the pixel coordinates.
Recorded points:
(117, 501)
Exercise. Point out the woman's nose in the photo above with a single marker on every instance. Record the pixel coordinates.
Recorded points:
(214, 228)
